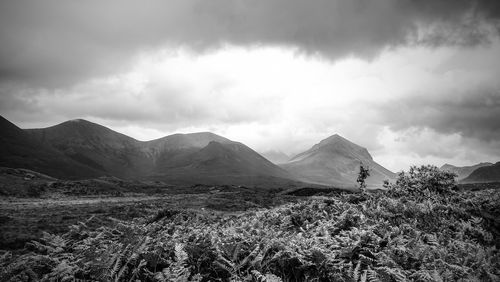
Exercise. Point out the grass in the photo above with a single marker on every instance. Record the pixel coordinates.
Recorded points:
(25, 219)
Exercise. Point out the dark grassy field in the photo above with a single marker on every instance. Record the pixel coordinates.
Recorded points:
(56, 205)
(25, 219)
(32, 203)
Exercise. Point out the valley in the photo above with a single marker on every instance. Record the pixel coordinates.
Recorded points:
(81, 201)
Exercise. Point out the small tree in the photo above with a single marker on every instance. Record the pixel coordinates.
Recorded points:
(364, 172)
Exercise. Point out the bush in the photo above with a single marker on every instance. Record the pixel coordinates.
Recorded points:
(424, 181)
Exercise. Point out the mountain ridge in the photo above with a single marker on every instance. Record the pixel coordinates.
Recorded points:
(463, 171)
(20, 149)
(484, 174)
(201, 157)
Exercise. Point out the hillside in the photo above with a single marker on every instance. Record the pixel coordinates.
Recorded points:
(96, 146)
(19, 149)
(484, 174)
(463, 171)
(218, 163)
(185, 159)
(335, 161)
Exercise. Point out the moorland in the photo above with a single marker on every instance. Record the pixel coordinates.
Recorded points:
(422, 228)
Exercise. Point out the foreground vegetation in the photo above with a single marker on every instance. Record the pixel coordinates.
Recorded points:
(421, 229)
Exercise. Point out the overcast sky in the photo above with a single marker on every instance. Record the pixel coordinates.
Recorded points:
(413, 81)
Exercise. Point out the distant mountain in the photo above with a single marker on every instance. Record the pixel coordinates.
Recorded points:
(183, 141)
(204, 157)
(219, 163)
(276, 157)
(484, 174)
(335, 161)
(463, 171)
(18, 149)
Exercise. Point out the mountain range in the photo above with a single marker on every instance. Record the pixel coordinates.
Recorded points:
(484, 174)
(463, 171)
(176, 159)
(79, 149)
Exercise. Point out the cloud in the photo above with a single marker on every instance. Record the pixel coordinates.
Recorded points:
(409, 105)
(454, 92)
(56, 44)
(474, 115)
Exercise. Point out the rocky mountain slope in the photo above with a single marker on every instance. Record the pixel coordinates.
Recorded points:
(335, 161)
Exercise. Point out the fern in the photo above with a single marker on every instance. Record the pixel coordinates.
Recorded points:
(372, 275)
(265, 278)
(119, 263)
(345, 237)
(356, 271)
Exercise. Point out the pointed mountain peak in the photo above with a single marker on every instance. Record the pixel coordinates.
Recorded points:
(336, 138)
(341, 145)
(335, 160)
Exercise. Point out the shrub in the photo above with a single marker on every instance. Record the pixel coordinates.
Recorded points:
(423, 181)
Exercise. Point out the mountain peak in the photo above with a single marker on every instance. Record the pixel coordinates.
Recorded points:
(339, 145)
(335, 160)
(77, 120)
(186, 140)
(336, 138)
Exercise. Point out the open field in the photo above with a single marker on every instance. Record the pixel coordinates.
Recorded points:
(380, 236)
(25, 219)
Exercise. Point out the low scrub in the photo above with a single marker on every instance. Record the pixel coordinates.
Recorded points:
(419, 230)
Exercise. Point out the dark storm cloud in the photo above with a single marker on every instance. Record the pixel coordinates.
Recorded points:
(56, 43)
(473, 115)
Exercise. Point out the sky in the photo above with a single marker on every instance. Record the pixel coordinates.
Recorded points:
(415, 82)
